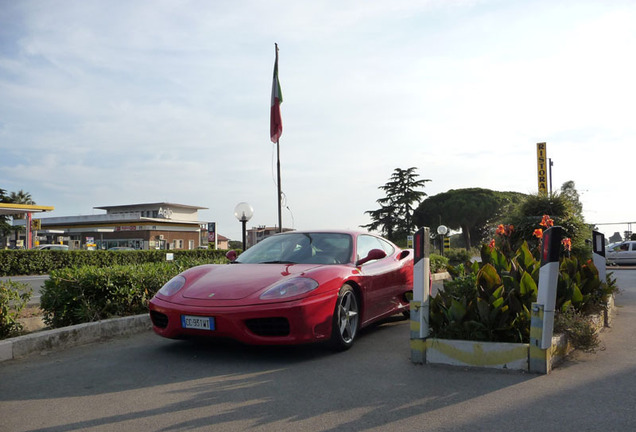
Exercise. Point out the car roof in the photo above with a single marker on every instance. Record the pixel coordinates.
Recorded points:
(330, 231)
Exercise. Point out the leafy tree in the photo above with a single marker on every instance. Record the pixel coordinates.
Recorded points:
(394, 218)
(564, 208)
(472, 210)
(568, 190)
(235, 244)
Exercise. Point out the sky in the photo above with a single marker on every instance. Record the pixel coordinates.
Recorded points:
(141, 101)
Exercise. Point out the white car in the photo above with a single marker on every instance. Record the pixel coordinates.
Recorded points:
(621, 253)
(53, 247)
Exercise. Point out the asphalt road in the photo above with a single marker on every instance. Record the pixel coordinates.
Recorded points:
(147, 383)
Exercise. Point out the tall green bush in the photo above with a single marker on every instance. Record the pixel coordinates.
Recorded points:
(562, 209)
(14, 297)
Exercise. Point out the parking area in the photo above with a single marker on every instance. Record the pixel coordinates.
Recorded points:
(143, 382)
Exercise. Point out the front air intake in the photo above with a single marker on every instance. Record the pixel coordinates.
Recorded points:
(277, 326)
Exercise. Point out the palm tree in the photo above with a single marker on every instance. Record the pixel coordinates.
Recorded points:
(21, 197)
(5, 228)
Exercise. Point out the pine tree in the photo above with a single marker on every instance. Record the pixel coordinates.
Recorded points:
(394, 218)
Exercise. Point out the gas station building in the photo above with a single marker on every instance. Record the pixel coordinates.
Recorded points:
(159, 225)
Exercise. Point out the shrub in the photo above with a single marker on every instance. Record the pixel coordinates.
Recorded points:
(76, 295)
(438, 263)
(578, 327)
(458, 256)
(14, 296)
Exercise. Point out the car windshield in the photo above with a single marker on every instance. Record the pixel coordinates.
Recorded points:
(300, 248)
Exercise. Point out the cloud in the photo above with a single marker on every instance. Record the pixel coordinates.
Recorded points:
(113, 103)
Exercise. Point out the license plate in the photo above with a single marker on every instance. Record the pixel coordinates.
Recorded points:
(197, 322)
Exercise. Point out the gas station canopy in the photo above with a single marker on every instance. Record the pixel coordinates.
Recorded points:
(7, 209)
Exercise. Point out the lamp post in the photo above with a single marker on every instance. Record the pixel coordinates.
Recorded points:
(441, 230)
(243, 212)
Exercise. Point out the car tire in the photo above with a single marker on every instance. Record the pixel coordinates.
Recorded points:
(346, 319)
(408, 298)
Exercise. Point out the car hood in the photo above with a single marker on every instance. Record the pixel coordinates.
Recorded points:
(236, 281)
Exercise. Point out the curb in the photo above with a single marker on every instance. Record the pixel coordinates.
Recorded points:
(66, 337)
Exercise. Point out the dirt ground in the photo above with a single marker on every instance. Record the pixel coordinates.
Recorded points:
(31, 319)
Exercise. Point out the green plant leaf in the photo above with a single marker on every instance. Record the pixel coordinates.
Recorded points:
(488, 278)
(577, 297)
(527, 285)
(457, 311)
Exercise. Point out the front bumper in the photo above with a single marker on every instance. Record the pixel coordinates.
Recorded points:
(294, 322)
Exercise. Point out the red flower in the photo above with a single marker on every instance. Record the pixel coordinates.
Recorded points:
(538, 233)
(504, 230)
(567, 243)
(491, 245)
(546, 221)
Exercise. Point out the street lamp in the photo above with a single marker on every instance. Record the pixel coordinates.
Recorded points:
(243, 212)
(441, 230)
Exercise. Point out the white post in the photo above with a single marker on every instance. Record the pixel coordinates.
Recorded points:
(421, 293)
(598, 255)
(542, 323)
(548, 279)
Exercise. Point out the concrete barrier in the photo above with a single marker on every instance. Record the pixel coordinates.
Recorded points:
(49, 340)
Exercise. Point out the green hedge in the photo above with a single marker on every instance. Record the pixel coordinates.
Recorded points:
(84, 294)
(30, 262)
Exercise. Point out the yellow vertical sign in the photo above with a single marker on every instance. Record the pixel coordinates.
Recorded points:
(542, 168)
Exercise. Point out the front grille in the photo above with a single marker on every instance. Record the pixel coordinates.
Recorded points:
(268, 326)
(158, 319)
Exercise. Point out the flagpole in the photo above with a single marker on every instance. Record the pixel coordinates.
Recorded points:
(280, 193)
(275, 131)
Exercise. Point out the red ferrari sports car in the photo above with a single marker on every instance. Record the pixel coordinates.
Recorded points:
(291, 288)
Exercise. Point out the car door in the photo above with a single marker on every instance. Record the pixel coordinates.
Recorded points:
(611, 252)
(382, 278)
(630, 254)
(622, 253)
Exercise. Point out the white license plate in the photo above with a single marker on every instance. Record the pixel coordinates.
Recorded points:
(197, 322)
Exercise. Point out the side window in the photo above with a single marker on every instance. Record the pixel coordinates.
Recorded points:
(366, 243)
(387, 247)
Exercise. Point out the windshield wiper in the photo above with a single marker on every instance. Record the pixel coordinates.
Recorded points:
(278, 262)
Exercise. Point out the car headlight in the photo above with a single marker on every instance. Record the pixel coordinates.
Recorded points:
(172, 286)
(289, 288)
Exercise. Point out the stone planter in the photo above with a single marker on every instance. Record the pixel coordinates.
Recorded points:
(498, 355)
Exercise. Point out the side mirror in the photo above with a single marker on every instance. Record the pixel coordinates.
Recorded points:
(231, 255)
(374, 254)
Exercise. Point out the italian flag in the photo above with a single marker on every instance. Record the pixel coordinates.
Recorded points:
(275, 120)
